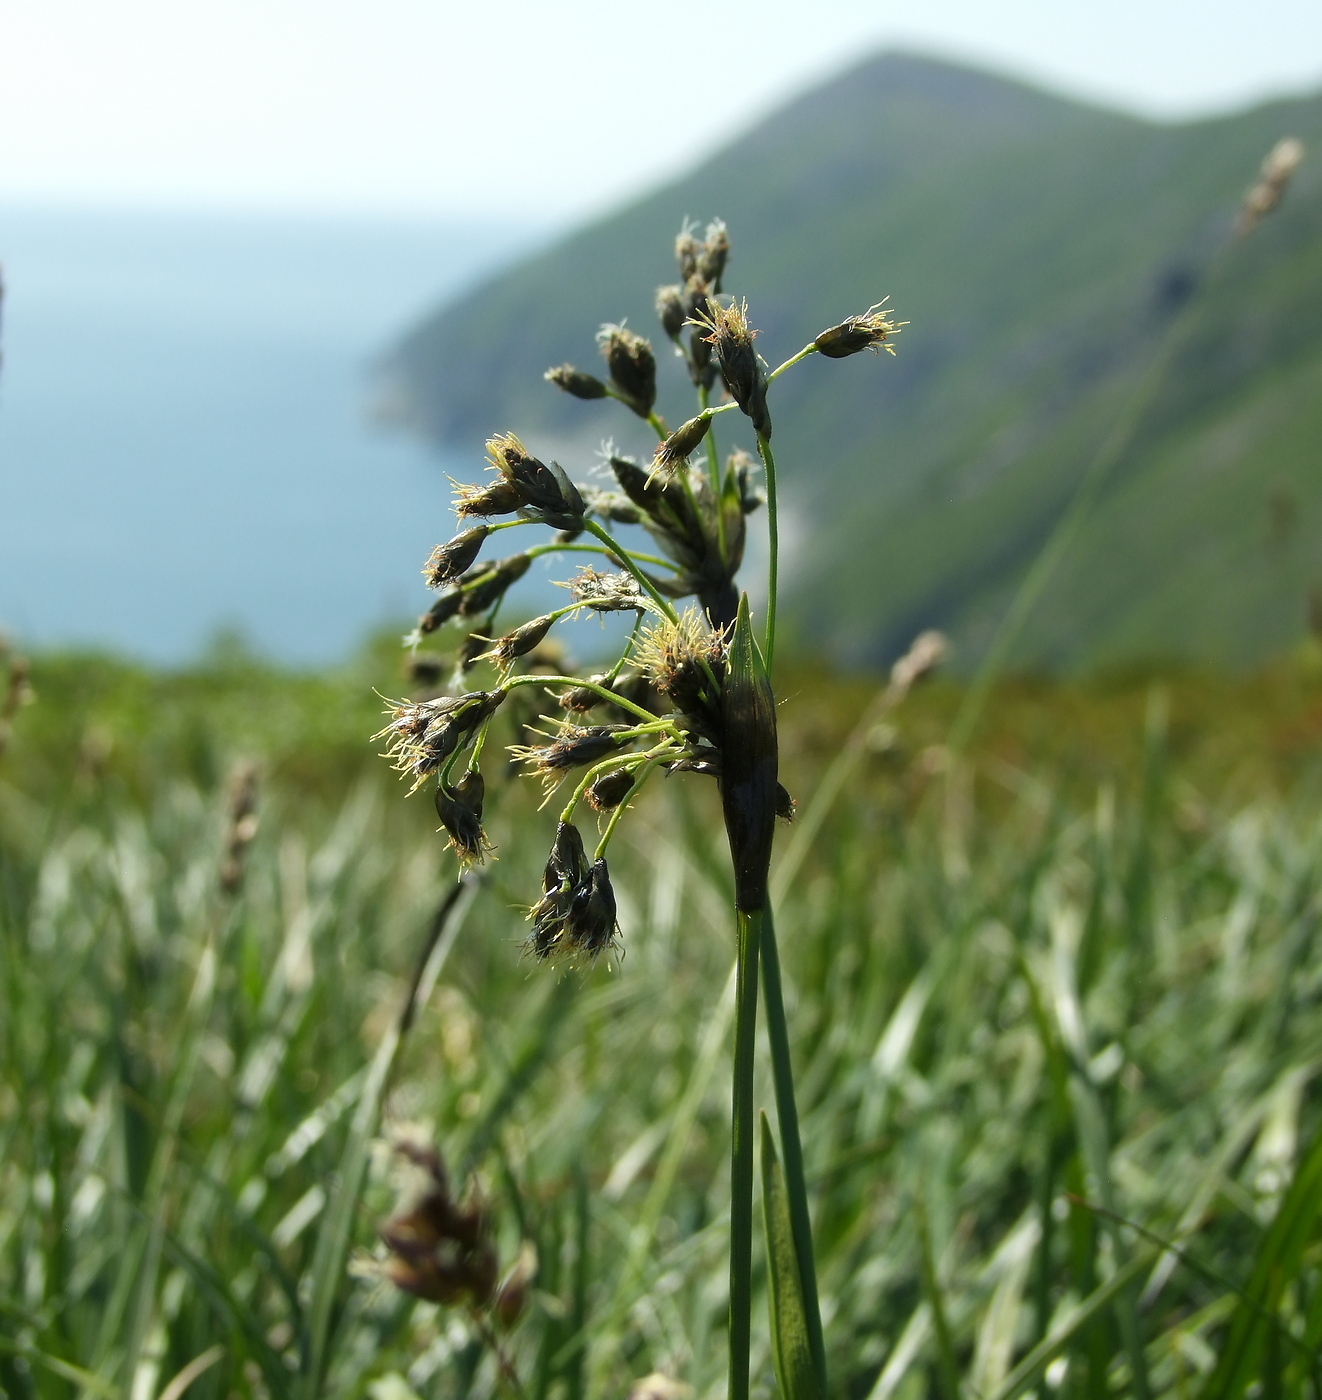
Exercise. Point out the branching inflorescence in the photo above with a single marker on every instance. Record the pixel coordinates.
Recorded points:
(667, 696)
(690, 691)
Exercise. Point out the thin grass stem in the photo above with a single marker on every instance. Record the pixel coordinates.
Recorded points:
(741, 1154)
(773, 548)
(791, 1147)
(538, 550)
(644, 772)
(809, 349)
(579, 683)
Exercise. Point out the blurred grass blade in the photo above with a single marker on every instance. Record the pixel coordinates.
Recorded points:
(1026, 1373)
(947, 1366)
(188, 1374)
(1274, 1269)
(336, 1233)
(66, 1370)
(791, 1349)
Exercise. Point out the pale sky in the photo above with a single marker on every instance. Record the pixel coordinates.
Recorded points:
(533, 108)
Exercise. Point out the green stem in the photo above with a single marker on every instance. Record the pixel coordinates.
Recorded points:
(803, 354)
(645, 771)
(613, 674)
(791, 1147)
(579, 683)
(741, 1154)
(624, 557)
(773, 548)
(555, 547)
(588, 778)
(714, 476)
(713, 461)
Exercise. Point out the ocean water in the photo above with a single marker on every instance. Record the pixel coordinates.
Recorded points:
(185, 441)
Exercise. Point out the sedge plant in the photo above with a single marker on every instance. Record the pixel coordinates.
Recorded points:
(690, 692)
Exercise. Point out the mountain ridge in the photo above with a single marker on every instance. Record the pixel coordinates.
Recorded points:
(1039, 247)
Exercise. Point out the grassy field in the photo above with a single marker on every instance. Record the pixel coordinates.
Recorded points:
(1056, 1003)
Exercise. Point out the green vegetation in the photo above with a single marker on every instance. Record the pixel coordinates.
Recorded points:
(1039, 249)
(1051, 1007)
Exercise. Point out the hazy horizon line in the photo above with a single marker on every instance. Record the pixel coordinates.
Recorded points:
(555, 220)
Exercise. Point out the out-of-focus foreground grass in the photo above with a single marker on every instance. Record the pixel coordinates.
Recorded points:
(1069, 980)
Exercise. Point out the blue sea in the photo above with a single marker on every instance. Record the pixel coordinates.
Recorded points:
(186, 447)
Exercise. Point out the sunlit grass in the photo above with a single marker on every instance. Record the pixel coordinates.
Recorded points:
(1081, 973)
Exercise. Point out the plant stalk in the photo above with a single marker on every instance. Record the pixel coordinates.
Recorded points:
(791, 1147)
(741, 1153)
(773, 547)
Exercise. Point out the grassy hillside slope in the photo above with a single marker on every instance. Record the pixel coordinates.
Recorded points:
(1039, 249)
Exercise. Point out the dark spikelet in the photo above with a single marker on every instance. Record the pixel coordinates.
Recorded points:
(591, 926)
(460, 810)
(632, 366)
(672, 310)
(576, 913)
(674, 451)
(455, 557)
(748, 764)
(420, 737)
(637, 484)
(425, 668)
(441, 611)
(610, 789)
(485, 589)
(715, 253)
(573, 747)
(522, 640)
(499, 498)
(548, 494)
(568, 862)
(688, 251)
(727, 330)
(866, 332)
(470, 649)
(566, 874)
(574, 381)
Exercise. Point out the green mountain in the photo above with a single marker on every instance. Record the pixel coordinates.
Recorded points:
(1039, 249)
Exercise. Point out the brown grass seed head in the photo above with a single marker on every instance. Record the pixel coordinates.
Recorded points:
(576, 382)
(726, 330)
(672, 310)
(576, 914)
(605, 592)
(675, 451)
(460, 809)
(497, 498)
(453, 558)
(632, 366)
(866, 332)
(421, 736)
(574, 746)
(522, 640)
